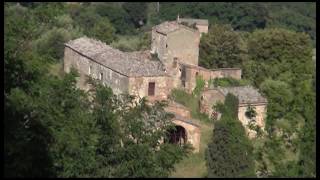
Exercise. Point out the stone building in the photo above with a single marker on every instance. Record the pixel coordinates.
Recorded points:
(177, 47)
(172, 41)
(247, 95)
(171, 63)
(134, 73)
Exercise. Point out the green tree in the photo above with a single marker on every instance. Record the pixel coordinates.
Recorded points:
(137, 12)
(103, 30)
(118, 16)
(279, 97)
(278, 54)
(221, 47)
(51, 43)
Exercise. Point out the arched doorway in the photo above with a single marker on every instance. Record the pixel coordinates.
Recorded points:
(177, 135)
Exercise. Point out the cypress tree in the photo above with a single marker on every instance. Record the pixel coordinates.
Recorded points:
(230, 152)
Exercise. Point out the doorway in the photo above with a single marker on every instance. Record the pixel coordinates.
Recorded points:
(177, 136)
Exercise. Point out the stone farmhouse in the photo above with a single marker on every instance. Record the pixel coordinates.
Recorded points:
(171, 63)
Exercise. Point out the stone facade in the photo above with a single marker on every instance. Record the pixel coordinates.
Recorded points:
(174, 42)
(260, 108)
(124, 73)
(138, 86)
(86, 67)
(202, 28)
(208, 99)
(191, 72)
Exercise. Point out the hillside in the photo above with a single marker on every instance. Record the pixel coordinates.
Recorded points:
(54, 129)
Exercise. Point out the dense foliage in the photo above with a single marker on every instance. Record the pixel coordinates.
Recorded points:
(247, 16)
(230, 152)
(222, 47)
(280, 64)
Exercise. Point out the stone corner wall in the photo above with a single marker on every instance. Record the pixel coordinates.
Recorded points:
(208, 99)
(202, 28)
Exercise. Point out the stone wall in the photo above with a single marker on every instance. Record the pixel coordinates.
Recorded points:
(261, 113)
(118, 82)
(178, 109)
(206, 74)
(235, 73)
(202, 28)
(158, 44)
(192, 131)
(138, 86)
(183, 44)
(208, 99)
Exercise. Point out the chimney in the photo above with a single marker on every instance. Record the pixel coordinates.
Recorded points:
(178, 18)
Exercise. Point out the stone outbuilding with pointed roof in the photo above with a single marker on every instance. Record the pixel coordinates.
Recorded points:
(247, 96)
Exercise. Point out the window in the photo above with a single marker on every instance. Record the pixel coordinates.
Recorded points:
(197, 73)
(101, 76)
(166, 45)
(90, 69)
(151, 88)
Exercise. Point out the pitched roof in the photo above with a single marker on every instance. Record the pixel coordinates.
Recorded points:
(192, 21)
(130, 64)
(245, 94)
(170, 26)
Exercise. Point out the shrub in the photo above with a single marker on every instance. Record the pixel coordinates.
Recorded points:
(190, 101)
(51, 43)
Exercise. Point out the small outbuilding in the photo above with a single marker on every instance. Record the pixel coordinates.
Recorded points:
(247, 96)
